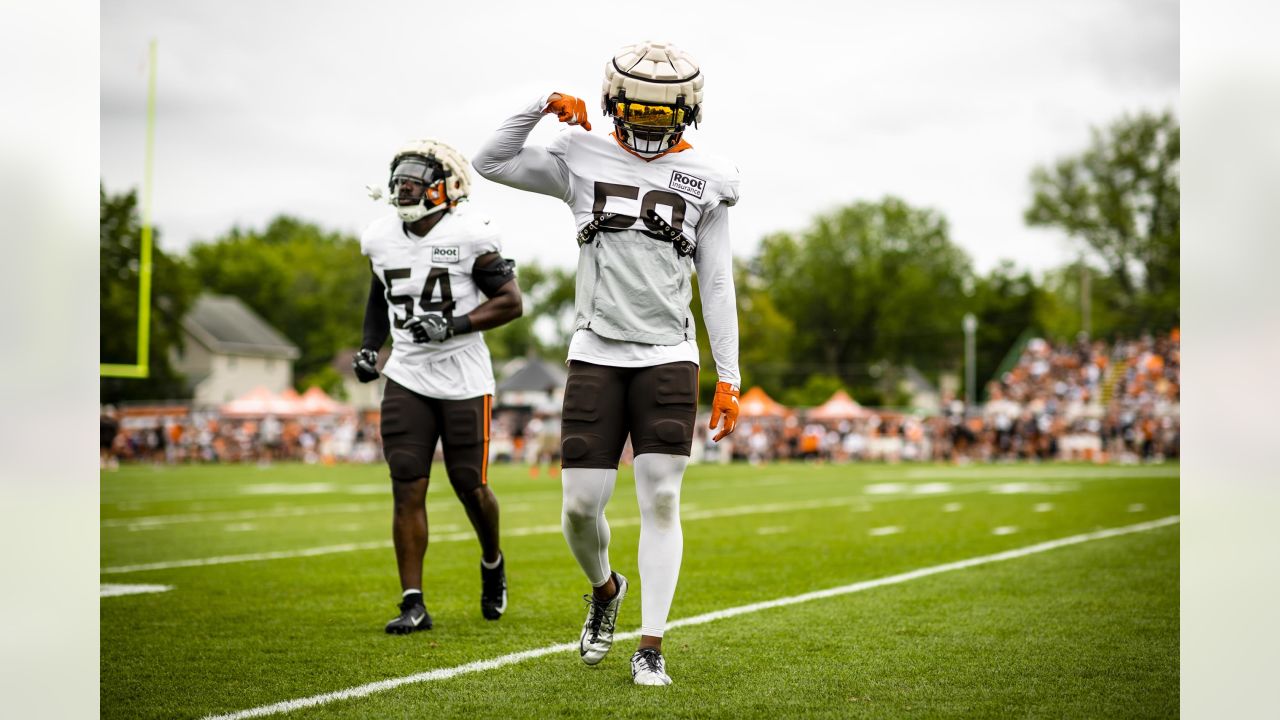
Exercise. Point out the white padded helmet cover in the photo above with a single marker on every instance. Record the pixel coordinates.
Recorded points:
(458, 184)
(654, 72)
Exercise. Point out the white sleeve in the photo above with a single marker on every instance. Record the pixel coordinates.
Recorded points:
(714, 262)
(505, 159)
(730, 187)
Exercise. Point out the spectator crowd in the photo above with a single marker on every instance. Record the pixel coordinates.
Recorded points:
(1086, 400)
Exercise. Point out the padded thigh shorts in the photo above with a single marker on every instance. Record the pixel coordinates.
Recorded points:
(655, 405)
(413, 423)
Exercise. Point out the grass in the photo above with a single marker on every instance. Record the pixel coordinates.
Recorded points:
(1089, 630)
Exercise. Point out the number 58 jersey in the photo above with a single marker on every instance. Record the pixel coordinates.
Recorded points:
(432, 274)
(632, 286)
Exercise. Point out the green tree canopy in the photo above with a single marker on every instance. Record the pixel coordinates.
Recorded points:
(546, 326)
(1121, 199)
(868, 283)
(309, 284)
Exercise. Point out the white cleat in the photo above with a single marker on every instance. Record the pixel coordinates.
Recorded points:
(602, 618)
(649, 668)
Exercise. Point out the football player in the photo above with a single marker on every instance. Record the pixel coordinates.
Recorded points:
(649, 209)
(438, 280)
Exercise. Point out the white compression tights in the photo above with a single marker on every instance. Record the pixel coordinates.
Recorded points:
(587, 491)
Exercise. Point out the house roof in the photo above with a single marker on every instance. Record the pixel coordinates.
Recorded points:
(225, 325)
(535, 376)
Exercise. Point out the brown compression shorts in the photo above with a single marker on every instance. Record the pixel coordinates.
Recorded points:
(412, 423)
(603, 404)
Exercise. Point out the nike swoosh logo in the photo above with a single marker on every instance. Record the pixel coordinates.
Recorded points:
(418, 620)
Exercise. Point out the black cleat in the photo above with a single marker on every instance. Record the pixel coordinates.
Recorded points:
(413, 617)
(493, 590)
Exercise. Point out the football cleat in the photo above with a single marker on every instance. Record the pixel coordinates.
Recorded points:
(493, 590)
(413, 617)
(649, 668)
(602, 618)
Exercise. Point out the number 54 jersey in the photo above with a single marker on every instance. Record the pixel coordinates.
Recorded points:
(432, 274)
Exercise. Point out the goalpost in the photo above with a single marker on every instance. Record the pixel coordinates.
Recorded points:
(141, 369)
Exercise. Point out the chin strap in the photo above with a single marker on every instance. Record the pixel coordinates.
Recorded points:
(411, 213)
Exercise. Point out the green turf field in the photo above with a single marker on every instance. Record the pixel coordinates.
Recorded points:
(283, 577)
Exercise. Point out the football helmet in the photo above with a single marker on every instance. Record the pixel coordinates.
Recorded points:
(653, 91)
(441, 170)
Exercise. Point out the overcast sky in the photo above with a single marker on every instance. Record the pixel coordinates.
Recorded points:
(293, 107)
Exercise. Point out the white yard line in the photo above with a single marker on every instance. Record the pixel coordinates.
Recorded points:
(494, 663)
(279, 512)
(147, 522)
(117, 590)
(1038, 473)
(515, 532)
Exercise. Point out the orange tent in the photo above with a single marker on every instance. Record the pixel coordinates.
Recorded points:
(317, 402)
(838, 407)
(756, 403)
(260, 402)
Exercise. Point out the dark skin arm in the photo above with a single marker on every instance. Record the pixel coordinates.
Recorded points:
(502, 307)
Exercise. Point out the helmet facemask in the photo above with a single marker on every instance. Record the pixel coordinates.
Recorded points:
(421, 171)
(649, 128)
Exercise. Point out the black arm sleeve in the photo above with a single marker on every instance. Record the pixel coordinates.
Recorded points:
(490, 278)
(376, 324)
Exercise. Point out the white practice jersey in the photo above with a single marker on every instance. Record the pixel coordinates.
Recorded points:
(680, 186)
(432, 274)
(593, 174)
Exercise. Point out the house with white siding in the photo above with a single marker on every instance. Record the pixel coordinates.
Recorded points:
(228, 350)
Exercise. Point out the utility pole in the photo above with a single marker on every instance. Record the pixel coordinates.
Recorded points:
(1085, 320)
(970, 394)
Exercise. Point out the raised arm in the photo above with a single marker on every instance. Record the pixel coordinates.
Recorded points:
(505, 159)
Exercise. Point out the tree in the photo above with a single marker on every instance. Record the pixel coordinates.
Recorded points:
(869, 283)
(547, 324)
(1120, 198)
(761, 330)
(309, 284)
(1058, 312)
(1006, 302)
(173, 290)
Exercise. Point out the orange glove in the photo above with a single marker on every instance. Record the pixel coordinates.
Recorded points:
(568, 109)
(726, 404)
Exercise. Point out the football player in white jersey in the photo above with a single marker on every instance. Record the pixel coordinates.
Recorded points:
(649, 208)
(438, 279)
